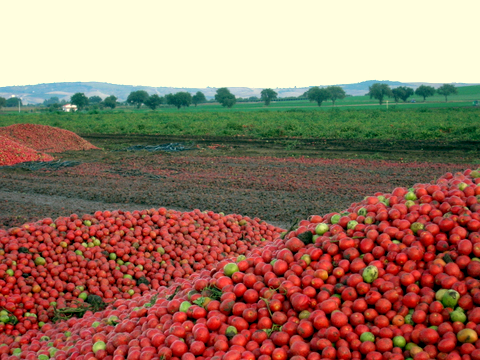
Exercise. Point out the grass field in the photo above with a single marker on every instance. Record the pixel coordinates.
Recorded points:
(448, 124)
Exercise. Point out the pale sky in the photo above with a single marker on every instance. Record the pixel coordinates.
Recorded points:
(238, 43)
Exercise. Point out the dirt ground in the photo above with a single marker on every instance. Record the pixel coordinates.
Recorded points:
(276, 180)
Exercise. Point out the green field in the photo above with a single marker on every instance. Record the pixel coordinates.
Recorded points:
(449, 123)
(356, 117)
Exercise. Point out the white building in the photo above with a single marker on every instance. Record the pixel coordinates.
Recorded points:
(69, 107)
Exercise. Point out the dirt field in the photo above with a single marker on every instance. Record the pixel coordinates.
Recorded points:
(275, 180)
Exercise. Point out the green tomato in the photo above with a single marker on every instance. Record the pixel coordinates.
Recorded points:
(83, 296)
(241, 258)
(335, 219)
(367, 336)
(409, 346)
(306, 258)
(351, 224)
(362, 211)
(321, 229)
(370, 274)
(458, 315)
(475, 174)
(409, 203)
(399, 341)
(231, 331)
(112, 320)
(99, 345)
(410, 196)
(416, 226)
(305, 314)
(439, 294)
(184, 306)
(40, 261)
(230, 269)
(450, 298)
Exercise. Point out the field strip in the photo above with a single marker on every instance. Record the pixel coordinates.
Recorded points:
(82, 206)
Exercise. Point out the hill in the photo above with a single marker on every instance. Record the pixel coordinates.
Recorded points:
(35, 94)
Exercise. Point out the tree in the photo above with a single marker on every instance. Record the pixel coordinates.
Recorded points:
(225, 97)
(198, 98)
(2, 102)
(53, 100)
(13, 102)
(54, 107)
(379, 91)
(154, 101)
(95, 99)
(318, 95)
(425, 91)
(80, 100)
(110, 101)
(402, 92)
(179, 99)
(137, 98)
(268, 95)
(447, 89)
(253, 98)
(336, 93)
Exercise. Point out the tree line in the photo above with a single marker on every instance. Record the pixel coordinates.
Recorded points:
(179, 99)
(378, 91)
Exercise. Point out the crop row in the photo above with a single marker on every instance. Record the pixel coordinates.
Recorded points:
(451, 124)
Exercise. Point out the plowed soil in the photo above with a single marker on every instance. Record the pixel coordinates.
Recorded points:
(276, 180)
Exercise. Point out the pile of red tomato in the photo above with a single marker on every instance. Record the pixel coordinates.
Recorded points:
(112, 254)
(394, 277)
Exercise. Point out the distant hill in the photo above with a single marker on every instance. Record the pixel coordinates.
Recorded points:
(35, 94)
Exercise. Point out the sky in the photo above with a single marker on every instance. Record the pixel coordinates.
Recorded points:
(240, 43)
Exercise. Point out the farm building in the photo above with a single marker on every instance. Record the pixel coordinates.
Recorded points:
(69, 107)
